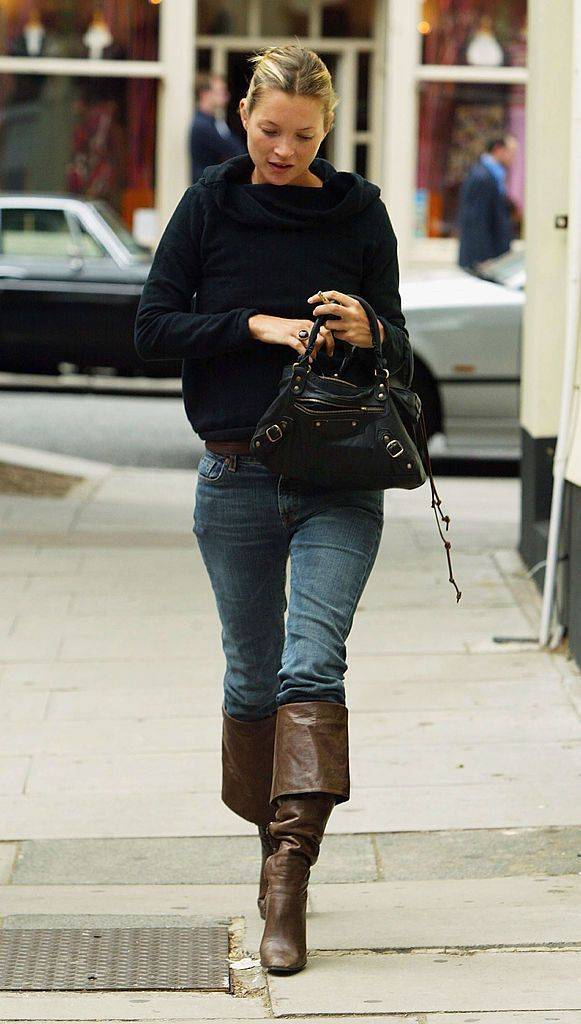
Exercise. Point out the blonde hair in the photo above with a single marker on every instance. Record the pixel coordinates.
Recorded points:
(294, 70)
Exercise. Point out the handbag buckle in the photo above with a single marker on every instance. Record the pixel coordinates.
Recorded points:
(275, 426)
(383, 372)
(394, 448)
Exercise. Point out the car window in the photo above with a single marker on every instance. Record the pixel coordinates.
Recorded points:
(32, 232)
(87, 243)
(120, 230)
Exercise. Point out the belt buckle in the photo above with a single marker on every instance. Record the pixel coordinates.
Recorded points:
(394, 448)
(273, 426)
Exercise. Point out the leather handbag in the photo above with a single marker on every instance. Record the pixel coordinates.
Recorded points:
(328, 431)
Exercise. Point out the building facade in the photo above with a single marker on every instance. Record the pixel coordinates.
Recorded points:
(552, 307)
(108, 93)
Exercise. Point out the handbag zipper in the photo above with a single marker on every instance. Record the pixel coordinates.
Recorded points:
(337, 412)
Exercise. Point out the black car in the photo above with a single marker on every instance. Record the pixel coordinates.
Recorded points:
(70, 280)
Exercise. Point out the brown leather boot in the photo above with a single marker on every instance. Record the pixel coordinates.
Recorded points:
(247, 758)
(311, 775)
(268, 845)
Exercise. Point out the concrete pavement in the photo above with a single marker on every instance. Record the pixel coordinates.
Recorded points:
(448, 888)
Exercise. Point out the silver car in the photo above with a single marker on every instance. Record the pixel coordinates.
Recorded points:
(466, 334)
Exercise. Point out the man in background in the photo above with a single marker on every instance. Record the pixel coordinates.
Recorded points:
(211, 140)
(484, 216)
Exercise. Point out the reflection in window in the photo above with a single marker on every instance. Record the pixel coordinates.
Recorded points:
(348, 18)
(80, 28)
(362, 117)
(285, 17)
(361, 159)
(483, 33)
(99, 132)
(456, 120)
(42, 233)
(222, 17)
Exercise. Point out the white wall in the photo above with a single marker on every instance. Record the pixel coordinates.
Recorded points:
(547, 188)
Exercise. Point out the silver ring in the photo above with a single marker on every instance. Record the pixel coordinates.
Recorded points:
(303, 334)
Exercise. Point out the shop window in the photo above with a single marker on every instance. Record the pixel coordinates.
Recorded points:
(80, 28)
(99, 132)
(280, 18)
(222, 17)
(481, 33)
(456, 120)
(348, 18)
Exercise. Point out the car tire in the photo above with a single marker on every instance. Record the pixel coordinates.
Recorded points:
(425, 386)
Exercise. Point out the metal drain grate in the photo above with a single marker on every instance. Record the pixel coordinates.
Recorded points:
(104, 959)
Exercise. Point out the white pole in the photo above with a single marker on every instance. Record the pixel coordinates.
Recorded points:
(570, 353)
(175, 103)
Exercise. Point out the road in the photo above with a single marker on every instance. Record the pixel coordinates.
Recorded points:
(140, 430)
(122, 430)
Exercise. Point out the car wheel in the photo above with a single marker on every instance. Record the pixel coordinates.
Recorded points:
(425, 386)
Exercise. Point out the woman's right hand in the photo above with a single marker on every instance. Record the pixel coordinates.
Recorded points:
(277, 330)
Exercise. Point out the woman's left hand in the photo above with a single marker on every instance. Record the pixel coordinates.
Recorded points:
(352, 325)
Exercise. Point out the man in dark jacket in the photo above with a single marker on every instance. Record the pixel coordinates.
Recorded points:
(211, 140)
(484, 214)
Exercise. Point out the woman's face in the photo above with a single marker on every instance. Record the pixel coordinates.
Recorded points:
(283, 134)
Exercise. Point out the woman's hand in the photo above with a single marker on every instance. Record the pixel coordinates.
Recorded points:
(276, 330)
(352, 325)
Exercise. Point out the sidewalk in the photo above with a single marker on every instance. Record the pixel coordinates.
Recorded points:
(448, 890)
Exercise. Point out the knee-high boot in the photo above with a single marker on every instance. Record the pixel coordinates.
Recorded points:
(247, 759)
(311, 775)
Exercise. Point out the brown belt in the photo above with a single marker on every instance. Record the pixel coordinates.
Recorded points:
(229, 447)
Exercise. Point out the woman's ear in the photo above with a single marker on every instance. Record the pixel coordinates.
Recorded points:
(242, 111)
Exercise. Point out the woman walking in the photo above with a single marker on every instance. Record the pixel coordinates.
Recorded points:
(233, 290)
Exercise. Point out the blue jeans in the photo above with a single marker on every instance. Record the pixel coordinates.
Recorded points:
(248, 523)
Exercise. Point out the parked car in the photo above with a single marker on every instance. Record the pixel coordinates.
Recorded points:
(70, 280)
(71, 276)
(466, 333)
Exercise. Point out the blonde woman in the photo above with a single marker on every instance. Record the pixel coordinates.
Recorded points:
(233, 290)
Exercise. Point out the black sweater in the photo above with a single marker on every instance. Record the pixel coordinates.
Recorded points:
(232, 249)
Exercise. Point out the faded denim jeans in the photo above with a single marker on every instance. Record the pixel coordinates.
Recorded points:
(249, 523)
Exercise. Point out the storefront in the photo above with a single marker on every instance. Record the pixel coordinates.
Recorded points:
(96, 98)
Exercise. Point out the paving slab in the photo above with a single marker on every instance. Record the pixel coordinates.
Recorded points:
(494, 912)
(423, 630)
(484, 725)
(479, 853)
(200, 901)
(106, 677)
(526, 1017)
(210, 860)
(430, 982)
(160, 735)
(208, 669)
(16, 706)
(180, 699)
(156, 735)
(382, 809)
(132, 773)
(377, 765)
(8, 853)
(13, 774)
(133, 1006)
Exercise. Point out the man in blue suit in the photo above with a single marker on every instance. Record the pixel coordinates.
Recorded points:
(211, 140)
(484, 220)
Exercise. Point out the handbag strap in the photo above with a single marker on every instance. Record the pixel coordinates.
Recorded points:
(437, 503)
(375, 336)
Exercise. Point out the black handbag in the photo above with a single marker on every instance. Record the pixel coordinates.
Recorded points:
(333, 433)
